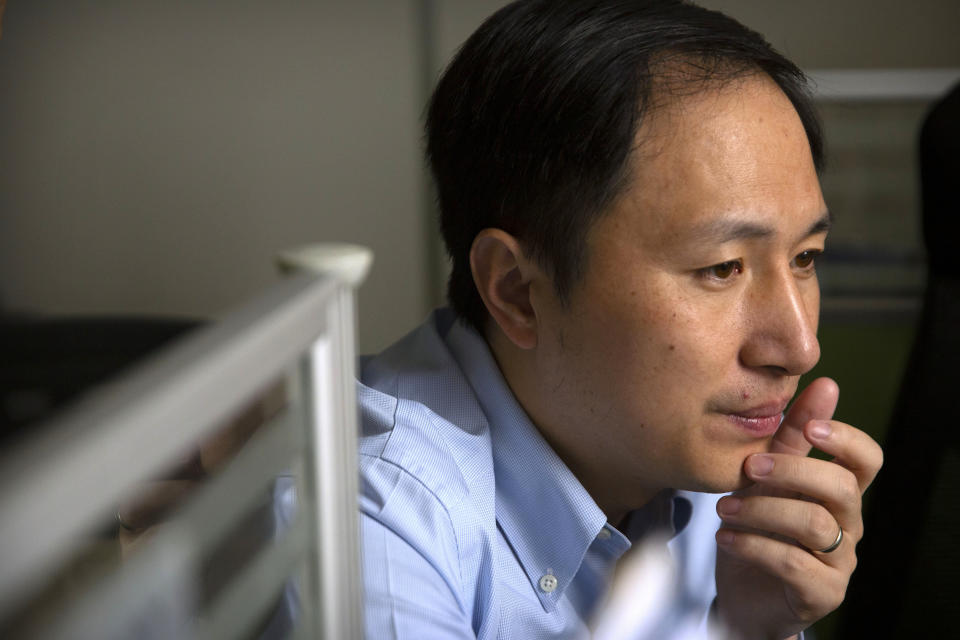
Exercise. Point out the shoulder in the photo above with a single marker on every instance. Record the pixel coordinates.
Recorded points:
(422, 428)
(426, 463)
(418, 413)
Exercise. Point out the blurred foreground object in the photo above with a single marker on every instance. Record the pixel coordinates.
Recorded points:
(637, 605)
(62, 484)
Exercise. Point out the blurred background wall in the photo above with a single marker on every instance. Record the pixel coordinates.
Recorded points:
(156, 155)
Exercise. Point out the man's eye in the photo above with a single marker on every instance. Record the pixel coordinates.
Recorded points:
(806, 259)
(724, 270)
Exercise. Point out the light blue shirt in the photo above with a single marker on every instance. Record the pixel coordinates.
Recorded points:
(472, 526)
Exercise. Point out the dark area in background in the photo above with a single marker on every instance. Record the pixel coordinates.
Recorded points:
(868, 362)
(48, 363)
(907, 582)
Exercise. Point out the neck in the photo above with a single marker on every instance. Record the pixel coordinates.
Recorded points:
(616, 494)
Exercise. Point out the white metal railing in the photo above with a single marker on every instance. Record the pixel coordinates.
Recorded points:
(58, 487)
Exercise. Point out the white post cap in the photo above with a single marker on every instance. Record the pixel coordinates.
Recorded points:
(348, 262)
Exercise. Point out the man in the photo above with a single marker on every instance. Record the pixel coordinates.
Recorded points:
(629, 194)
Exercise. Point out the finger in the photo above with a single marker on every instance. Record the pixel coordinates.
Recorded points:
(827, 482)
(130, 541)
(808, 523)
(224, 444)
(817, 402)
(229, 439)
(153, 502)
(849, 446)
(815, 588)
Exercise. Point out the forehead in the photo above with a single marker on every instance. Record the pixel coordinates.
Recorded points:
(736, 151)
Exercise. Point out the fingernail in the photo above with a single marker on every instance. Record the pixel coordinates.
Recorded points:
(760, 465)
(821, 429)
(729, 506)
(725, 537)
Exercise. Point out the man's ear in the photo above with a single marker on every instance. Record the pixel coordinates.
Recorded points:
(502, 273)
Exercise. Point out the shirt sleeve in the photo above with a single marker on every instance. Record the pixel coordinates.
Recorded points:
(406, 597)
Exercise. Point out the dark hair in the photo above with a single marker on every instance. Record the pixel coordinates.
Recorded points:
(531, 127)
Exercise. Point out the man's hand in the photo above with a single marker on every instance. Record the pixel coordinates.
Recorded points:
(154, 501)
(772, 582)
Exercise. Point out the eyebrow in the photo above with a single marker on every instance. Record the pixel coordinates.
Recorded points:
(730, 229)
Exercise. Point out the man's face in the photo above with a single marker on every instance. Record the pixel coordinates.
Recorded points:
(698, 310)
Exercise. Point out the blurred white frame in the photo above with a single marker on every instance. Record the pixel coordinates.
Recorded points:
(58, 487)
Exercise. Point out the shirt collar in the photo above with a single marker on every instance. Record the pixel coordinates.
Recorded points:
(544, 512)
(546, 515)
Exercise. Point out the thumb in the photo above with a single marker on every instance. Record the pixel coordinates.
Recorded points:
(817, 402)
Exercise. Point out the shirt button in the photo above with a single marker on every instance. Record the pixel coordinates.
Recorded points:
(548, 583)
(604, 534)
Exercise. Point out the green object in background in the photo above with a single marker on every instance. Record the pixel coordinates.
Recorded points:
(868, 362)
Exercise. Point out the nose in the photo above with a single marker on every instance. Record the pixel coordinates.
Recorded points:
(782, 317)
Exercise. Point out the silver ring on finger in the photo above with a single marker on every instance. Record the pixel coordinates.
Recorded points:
(836, 543)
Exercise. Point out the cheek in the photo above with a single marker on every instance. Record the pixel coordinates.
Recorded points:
(696, 340)
(651, 340)
(657, 363)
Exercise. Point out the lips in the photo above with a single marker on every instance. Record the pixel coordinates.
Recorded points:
(761, 420)
(774, 408)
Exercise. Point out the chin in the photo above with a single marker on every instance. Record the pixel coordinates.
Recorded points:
(726, 473)
(720, 480)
